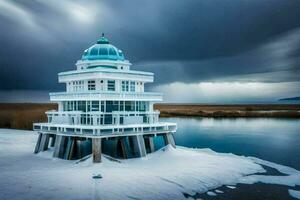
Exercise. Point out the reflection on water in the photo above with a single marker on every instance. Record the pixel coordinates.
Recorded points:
(276, 140)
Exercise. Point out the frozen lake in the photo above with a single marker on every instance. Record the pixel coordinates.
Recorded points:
(276, 140)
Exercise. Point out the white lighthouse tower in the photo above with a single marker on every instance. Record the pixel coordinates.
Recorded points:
(104, 109)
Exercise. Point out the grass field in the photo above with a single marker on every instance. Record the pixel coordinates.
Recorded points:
(22, 115)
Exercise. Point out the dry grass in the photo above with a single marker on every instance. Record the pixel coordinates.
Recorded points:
(199, 110)
(21, 116)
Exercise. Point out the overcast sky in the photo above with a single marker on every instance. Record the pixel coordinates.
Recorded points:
(206, 51)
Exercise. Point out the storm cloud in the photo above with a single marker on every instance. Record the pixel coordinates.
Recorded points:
(181, 41)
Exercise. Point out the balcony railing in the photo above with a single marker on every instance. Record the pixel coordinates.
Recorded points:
(66, 96)
(101, 118)
(106, 131)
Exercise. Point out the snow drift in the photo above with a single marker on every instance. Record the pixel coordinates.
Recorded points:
(166, 174)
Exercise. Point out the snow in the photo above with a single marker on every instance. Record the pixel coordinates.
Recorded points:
(294, 193)
(210, 193)
(219, 191)
(292, 177)
(165, 174)
(230, 187)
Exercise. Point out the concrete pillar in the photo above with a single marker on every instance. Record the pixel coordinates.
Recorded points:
(59, 146)
(72, 149)
(169, 139)
(139, 145)
(149, 144)
(52, 140)
(44, 142)
(124, 147)
(79, 148)
(68, 148)
(37, 146)
(96, 149)
(131, 146)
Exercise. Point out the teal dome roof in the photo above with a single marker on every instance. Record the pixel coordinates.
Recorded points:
(102, 50)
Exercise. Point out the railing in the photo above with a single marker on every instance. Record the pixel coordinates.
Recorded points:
(64, 96)
(106, 130)
(98, 118)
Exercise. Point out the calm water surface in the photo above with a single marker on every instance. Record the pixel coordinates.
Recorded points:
(276, 140)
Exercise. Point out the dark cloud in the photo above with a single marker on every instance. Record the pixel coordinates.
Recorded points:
(274, 61)
(186, 41)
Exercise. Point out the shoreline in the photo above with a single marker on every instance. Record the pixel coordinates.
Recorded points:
(230, 111)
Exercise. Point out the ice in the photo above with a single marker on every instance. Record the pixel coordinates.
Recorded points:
(230, 187)
(210, 193)
(165, 174)
(219, 191)
(294, 193)
(292, 177)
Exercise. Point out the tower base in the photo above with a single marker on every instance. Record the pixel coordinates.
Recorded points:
(71, 147)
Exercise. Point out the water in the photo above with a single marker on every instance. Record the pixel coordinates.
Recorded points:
(276, 140)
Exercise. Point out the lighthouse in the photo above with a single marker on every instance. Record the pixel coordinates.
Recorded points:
(104, 109)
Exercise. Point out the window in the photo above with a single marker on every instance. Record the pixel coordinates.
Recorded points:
(102, 106)
(91, 85)
(125, 86)
(82, 106)
(78, 86)
(112, 52)
(94, 51)
(103, 51)
(129, 105)
(132, 86)
(95, 106)
(68, 106)
(121, 106)
(107, 119)
(109, 106)
(143, 106)
(112, 106)
(111, 85)
(88, 105)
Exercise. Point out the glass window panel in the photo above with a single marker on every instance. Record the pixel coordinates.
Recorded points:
(102, 106)
(95, 106)
(112, 52)
(109, 106)
(111, 85)
(88, 106)
(132, 86)
(82, 106)
(129, 105)
(91, 85)
(121, 105)
(116, 106)
(107, 119)
(94, 51)
(103, 51)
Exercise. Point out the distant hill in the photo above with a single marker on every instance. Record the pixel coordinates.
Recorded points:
(290, 99)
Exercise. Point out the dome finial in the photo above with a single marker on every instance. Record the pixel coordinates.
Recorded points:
(103, 40)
